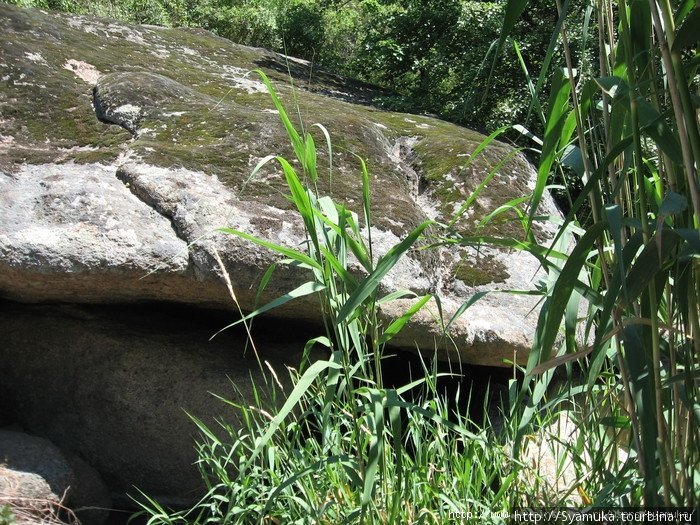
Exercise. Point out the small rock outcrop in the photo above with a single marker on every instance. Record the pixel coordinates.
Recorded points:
(41, 484)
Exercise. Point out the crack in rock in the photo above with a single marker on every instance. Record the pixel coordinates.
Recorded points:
(128, 180)
(401, 153)
(63, 220)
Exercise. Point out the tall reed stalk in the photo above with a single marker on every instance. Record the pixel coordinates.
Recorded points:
(629, 131)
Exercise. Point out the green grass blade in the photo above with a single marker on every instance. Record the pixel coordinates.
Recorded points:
(366, 207)
(512, 205)
(655, 127)
(329, 145)
(463, 308)
(534, 99)
(300, 291)
(643, 392)
(303, 384)
(264, 282)
(514, 9)
(297, 143)
(300, 196)
(318, 466)
(340, 269)
(395, 327)
(359, 250)
(477, 191)
(544, 71)
(688, 34)
(398, 294)
(376, 449)
(556, 119)
(396, 426)
(385, 264)
(257, 168)
(282, 250)
(550, 319)
(310, 158)
(649, 262)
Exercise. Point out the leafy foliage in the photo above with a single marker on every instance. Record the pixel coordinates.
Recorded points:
(303, 29)
(7, 517)
(628, 132)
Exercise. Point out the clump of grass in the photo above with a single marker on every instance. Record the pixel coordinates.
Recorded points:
(343, 448)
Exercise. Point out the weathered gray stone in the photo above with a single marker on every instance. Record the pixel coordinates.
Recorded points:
(38, 481)
(91, 500)
(32, 468)
(123, 149)
(114, 386)
(74, 232)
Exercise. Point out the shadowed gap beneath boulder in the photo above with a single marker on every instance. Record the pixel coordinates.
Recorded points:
(111, 383)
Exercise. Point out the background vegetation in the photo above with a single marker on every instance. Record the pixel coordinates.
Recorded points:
(435, 54)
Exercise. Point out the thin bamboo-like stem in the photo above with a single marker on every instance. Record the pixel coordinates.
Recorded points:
(629, 401)
(679, 108)
(606, 23)
(581, 135)
(642, 214)
(665, 166)
(603, 64)
(595, 199)
(689, 113)
(687, 132)
(677, 402)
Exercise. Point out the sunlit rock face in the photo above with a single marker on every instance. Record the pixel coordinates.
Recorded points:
(124, 148)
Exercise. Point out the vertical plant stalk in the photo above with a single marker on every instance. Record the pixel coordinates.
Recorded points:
(665, 454)
(229, 287)
(679, 108)
(689, 113)
(686, 120)
(595, 199)
(603, 65)
(676, 403)
(606, 40)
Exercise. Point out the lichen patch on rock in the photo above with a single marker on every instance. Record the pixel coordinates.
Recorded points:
(84, 71)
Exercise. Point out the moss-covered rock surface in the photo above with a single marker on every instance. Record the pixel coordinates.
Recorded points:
(123, 148)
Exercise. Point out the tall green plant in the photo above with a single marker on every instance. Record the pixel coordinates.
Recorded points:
(629, 133)
(342, 447)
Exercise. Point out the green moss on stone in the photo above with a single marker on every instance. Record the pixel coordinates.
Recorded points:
(480, 271)
(96, 156)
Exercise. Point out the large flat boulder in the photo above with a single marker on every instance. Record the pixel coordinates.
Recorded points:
(123, 149)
